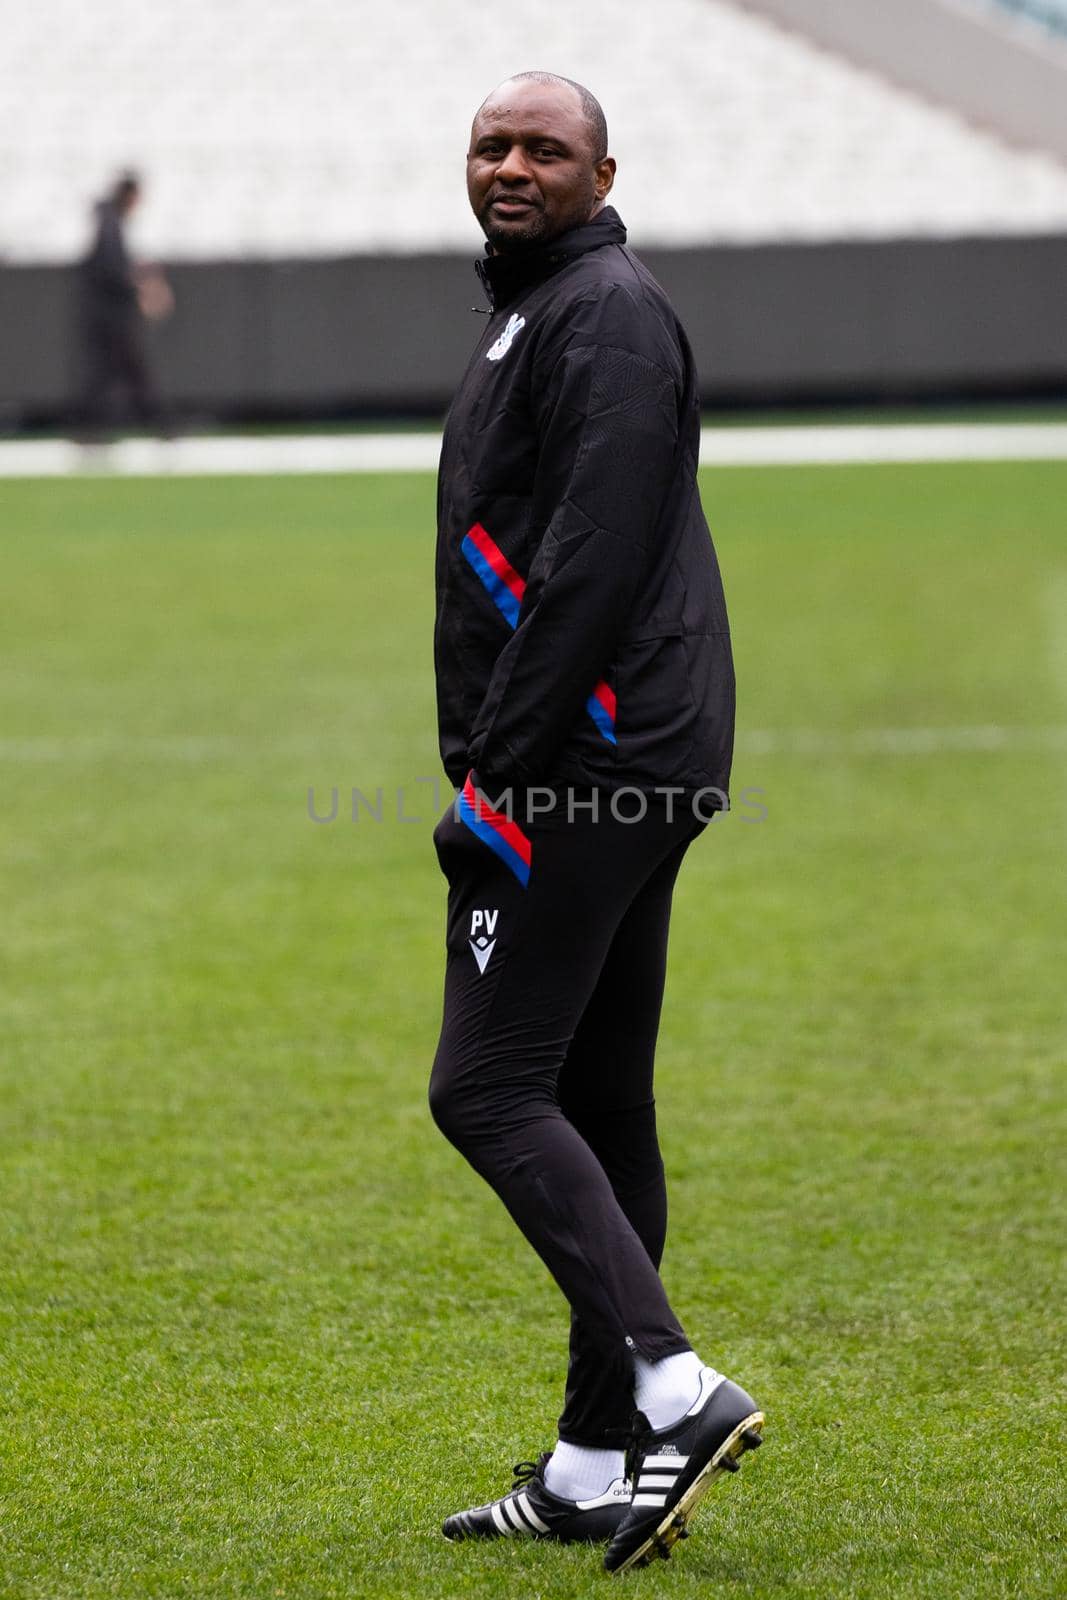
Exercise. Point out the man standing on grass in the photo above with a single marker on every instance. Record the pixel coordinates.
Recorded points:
(117, 297)
(585, 706)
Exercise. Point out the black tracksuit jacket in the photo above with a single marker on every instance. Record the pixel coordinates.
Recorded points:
(108, 290)
(581, 635)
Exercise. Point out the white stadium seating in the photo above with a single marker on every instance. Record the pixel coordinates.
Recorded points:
(322, 127)
(1049, 14)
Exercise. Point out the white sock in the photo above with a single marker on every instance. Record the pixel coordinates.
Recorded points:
(576, 1472)
(664, 1390)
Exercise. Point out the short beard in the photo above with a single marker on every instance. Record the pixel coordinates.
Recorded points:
(503, 240)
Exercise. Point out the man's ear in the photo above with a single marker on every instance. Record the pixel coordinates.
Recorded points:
(604, 177)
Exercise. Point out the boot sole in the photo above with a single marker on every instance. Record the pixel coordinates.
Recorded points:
(748, 1435)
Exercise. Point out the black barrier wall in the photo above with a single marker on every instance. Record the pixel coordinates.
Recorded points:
(906, 319)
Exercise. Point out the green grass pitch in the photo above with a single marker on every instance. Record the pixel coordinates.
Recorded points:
(260, 1328)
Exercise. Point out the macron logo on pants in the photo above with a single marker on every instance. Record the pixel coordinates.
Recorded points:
(483, 926)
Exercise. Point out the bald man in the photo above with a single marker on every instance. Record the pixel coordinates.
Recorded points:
(585, 709)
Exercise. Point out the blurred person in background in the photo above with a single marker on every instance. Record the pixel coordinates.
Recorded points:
(116, 297)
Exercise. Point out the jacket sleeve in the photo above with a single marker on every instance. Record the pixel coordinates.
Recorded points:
(608, 422)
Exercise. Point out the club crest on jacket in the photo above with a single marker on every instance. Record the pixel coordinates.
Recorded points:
(500, 348)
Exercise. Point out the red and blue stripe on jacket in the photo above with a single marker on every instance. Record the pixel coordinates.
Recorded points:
(506, 588)
(496, 829)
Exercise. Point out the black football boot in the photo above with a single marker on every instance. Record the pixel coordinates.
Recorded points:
(531, 1511)
(673, 1468)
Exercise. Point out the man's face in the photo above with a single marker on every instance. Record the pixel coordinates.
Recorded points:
(531, 172)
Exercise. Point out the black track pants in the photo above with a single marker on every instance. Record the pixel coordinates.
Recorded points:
(115, 359)
(543, 1074)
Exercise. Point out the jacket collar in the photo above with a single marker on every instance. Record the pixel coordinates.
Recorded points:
(505, 276)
